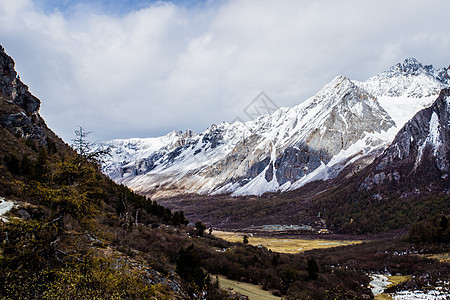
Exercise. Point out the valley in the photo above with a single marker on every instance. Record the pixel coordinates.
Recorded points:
(319, 222)
(320, 179)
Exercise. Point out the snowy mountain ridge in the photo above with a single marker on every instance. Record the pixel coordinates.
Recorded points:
(419, 152)
(313, 140)
(410, 79)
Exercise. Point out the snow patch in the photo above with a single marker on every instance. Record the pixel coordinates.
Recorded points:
(379, 283)
(433, 138)
(320, 173)
(5, 206)
(436, 294)
(402, 109)
(258, 185)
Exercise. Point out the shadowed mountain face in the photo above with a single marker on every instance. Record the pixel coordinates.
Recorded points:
(407, 182)
(315, 140)
(420, 152)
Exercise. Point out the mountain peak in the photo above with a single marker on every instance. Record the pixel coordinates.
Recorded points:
(337, 90)
(337, 85)
(412, 66)
(409, 78)
(340, 80)
(284, 150)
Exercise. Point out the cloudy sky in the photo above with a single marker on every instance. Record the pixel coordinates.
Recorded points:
(141, 68)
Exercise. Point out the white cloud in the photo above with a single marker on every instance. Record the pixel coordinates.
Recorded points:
(169, 67)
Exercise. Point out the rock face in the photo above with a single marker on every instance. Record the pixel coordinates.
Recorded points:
(18, 107)
(420, 150)
(315, 140)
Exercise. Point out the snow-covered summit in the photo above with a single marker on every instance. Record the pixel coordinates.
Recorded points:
(125, 152)
(314, 140)
(409, 78)
(410, 66)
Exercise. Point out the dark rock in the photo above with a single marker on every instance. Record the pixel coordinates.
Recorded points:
(257, 168)
(269, 173)
(22, 213)
(13, 88)
(294, 163)
(19, 110)
(174, 154)
(15, 120)
(214, 137)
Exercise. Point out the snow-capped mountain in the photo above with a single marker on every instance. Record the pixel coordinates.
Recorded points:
(314, 140)
(420, 152)
(409, 79)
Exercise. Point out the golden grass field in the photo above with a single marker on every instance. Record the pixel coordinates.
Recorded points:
(383, 297)
(442, 257)
(282, 245)
(291, 245)
(254, 292)
(396, 279)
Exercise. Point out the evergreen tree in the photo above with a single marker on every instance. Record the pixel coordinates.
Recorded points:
(245, 239)
(189, 268)
(199, 228)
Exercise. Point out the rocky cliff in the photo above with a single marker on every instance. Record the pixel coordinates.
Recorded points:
(19, 111)
(419, 156)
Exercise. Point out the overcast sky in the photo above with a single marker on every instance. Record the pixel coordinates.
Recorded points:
(139, 68)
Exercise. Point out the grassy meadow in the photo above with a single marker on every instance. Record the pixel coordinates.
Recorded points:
(283, 245)
(254, 292)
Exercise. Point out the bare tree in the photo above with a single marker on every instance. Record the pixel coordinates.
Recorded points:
(88, 150)
(80, 143)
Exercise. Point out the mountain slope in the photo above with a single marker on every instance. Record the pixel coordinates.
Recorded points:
(56, 233)
(244, 157)
(407, 182)
(19, 114)
(283, 151)
(420, 152)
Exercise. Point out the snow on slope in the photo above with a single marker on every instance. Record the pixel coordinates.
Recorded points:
(318, 123)
(284, 150)
(5, 206)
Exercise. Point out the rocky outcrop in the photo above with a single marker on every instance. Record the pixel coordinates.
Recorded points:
(294, 163)
(19, 109)
(213, 137)
(420, 150)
